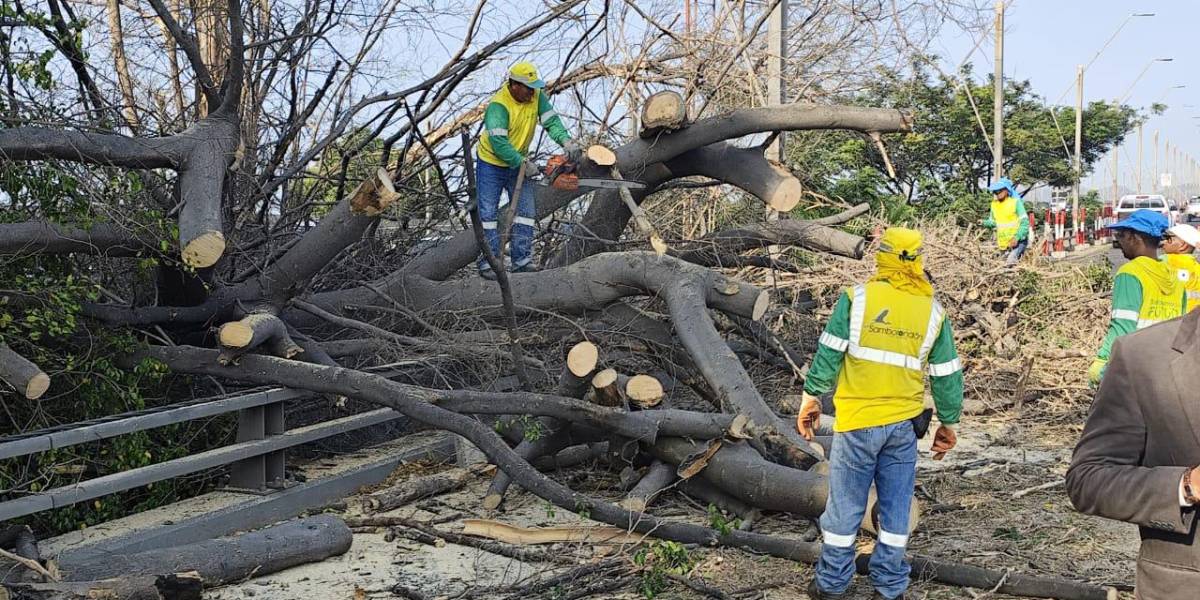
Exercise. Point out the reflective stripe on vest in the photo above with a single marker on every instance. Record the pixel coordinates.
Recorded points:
(1007, 220)
(858, 315)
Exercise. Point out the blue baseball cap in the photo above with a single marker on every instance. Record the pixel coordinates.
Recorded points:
(1145, 221)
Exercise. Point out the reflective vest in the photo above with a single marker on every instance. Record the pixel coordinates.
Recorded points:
(1007, 221)
(522, 120)
(883, 378)
(1187, 271)
(1156, 305)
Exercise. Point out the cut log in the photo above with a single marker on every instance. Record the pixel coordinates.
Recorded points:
(705, 492)
(23, 375)
(658, 477)
(176, 586)
(640, 220)
(606, 388)
(581, 361)
(253, 331)
(414, 489)
(373, 195)
(662, 112)
(552, 436)
(643, 391)
(601, 156)
(742, 473)
(572, 456)
(224, 560)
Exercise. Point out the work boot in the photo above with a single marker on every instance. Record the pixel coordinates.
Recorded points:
(526, 268)
(488, 274)
(879, 596)
(815, 593)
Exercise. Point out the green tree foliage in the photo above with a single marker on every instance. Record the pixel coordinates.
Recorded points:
(941, 166)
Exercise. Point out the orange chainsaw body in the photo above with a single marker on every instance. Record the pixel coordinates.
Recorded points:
(561, 173)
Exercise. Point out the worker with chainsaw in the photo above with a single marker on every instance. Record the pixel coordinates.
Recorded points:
(1009, 219)
(881, 340)
(1145, 291)
(503, 159)
(1179, 244)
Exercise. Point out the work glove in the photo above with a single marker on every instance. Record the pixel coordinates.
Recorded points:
(1096, 372)
(809, 416)
(531, 167)
(573, 149)
(943, 441)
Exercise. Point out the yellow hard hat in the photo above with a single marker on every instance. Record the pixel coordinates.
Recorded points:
(902, 242)
(524, 72)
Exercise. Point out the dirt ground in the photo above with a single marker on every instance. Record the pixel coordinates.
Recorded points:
(976, 508)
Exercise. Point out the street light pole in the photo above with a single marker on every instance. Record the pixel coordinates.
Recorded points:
(998, 97)
(1078, 151)
(1141, 138)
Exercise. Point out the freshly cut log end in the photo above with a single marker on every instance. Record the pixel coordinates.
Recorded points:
(26, 377)
(601, 155)
(664, 111)
(739, 428)
(38, 384)
(606, 388)
(657, 243)
(644, 390)
(761, 304)
(634, 505)
(786, 195)
(582, 359)
(235, 334)
(492, 501)
(374, 195)
(204, 250)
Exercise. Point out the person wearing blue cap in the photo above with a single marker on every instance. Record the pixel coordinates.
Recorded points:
(1009, 219)
(508, 125)
(1145, 290)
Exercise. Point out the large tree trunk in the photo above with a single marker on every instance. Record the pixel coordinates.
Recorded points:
(228, 559)
(175, 586)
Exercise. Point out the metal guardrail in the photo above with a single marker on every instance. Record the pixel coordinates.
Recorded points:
(256, 459)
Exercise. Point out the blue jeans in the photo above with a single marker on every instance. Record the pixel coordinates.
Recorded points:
(1014, 255)
(490, 180)
(886, 456)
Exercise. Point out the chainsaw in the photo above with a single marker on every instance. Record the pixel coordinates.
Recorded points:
(562, 174)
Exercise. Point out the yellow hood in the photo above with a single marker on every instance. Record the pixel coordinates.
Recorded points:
(1157, 272)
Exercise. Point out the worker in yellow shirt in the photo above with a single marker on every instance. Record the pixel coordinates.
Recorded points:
(1179, 243)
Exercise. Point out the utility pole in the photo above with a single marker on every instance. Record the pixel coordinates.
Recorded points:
(998, 97)
(776, 49)
(1139, 165)
(1154, 179)
(1116, 153)
(1078, 152)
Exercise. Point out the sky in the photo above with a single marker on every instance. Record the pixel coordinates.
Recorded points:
(1046, 39)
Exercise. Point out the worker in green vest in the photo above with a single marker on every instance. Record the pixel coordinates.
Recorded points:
(882, 339)
(508, 126)
(1146, 290)
(1009, 218)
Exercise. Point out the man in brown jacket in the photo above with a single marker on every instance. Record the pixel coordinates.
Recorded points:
(1137, 458)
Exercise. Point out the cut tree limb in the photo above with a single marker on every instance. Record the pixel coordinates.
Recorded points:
(253, 331)
(606, 388)
(662, 112)
(601, 156)
(37, 237)
(640, 220)
(228, 559)
(581, 361)
(24, 376)
(414, 489)
(174, 586)
(658, 477)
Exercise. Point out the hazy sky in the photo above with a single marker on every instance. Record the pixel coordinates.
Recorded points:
(1046, 39)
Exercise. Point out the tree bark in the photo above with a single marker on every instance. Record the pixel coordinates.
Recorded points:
(658, 477)
(175, 586)
(414, 489)
(225, 560)
(39, 237)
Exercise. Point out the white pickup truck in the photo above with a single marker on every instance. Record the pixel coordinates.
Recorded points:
(1192, 212)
